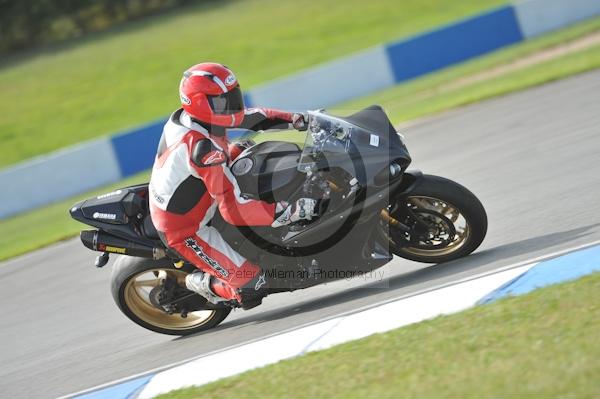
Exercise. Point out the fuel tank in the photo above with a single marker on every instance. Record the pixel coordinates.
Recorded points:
(268, 171)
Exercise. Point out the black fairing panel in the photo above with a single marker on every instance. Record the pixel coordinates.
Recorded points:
(268, 171)
(122, 213)
(374, 119)
(106, 208)
(368, 161)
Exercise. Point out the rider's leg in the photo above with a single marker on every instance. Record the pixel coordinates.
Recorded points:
(232, 274)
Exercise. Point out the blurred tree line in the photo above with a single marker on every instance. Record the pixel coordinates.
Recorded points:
(28, 23)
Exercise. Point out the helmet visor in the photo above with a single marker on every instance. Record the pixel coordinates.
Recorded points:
(227, 103)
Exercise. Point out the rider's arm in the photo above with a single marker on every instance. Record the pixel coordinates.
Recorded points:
(209, 163)
(266, 118)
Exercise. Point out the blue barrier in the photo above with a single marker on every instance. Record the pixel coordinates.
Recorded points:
(135, 150)
(330, 83)
(248, 103)
(454, 43)
(57, 176)
(537, 17)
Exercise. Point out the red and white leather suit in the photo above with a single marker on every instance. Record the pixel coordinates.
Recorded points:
(190, 180)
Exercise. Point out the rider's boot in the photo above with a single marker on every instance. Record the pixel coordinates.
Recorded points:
(208, 287)
(254, 291)
(217, 291)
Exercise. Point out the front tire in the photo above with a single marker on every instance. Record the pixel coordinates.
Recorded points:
(456, 218)
(132, 281)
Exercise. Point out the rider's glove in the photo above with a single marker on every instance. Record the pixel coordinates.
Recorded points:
(300, 121)
(302, 209)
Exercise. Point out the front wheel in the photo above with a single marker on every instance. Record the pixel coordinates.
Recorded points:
(438, 221)
(140, 288)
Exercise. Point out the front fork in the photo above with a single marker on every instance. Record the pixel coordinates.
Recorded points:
(415, 225)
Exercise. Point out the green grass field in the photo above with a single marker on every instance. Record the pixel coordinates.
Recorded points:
(541, 345)
(128, 76)
(421, 97)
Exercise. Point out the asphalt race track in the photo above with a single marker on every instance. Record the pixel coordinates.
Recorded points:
(533, 158)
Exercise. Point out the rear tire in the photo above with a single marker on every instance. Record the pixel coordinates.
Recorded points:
(464, 205)
(129, 295)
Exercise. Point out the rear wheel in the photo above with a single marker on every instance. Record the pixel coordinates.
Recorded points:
(140, 287)
(439, 221)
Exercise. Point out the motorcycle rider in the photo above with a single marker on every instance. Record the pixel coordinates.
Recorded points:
(191, 179)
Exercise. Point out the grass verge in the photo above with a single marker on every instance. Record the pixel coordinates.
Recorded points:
(541, 345)
(128, 76)
(421, 97)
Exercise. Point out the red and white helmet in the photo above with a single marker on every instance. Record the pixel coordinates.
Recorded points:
(211, 93)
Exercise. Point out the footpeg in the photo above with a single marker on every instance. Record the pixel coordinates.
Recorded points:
(101, 260)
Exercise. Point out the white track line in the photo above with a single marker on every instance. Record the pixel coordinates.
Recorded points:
(360, 309)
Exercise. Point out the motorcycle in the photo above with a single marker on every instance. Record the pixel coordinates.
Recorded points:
(370, 208)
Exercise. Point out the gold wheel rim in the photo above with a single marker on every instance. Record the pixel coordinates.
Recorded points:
(137, 299)
(451, 212)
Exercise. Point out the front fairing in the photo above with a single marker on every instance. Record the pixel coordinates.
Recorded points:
(363, 144)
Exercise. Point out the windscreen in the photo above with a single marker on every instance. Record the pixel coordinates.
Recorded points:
(327, 134)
